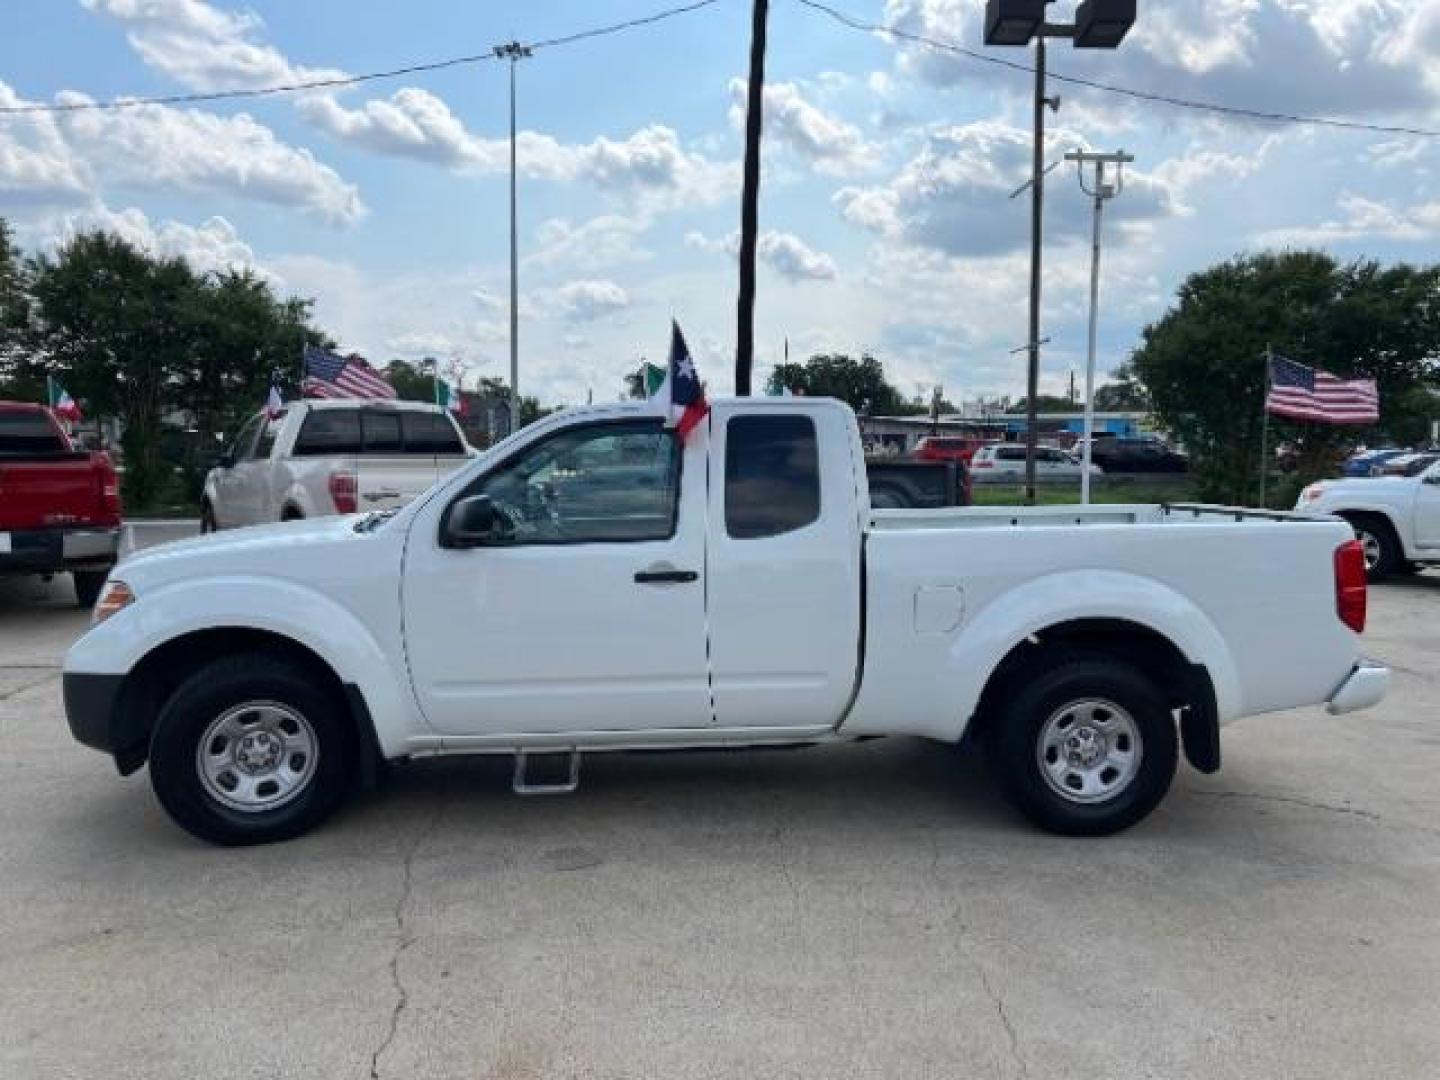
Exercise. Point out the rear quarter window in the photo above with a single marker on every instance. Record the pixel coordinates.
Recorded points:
(772, 475)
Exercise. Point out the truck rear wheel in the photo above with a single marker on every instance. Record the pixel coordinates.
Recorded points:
(249, 750)
(88, 584)
(1088, 747)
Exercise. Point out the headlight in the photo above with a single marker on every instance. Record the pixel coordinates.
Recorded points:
(116, 595)
(1311, 493)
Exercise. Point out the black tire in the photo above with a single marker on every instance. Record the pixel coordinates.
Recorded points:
(1383, 554)
(886, 497)
(290, 513)
(1014, 742)
(212, 692)
(207, 519)
(88, 584)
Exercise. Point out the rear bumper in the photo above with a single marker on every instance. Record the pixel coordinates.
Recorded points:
(45, 551)
(1366, 685)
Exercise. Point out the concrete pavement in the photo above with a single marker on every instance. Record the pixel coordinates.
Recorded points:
(862, 911)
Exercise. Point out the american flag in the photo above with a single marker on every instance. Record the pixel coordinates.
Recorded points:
(1301, 393)
(331, 376)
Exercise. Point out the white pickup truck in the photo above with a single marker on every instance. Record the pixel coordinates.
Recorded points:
(330, 456)
(1396, 518)
(593, 584)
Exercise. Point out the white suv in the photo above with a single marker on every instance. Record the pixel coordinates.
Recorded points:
(1004, 463)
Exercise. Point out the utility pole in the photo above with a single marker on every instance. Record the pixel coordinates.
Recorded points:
(1100, 192)
(514, 52)
(749, 204)
(1037, 211)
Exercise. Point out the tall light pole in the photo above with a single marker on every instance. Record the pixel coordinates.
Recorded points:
(749, 203)
(514, 52)
(1100, 192)
(1099, 24)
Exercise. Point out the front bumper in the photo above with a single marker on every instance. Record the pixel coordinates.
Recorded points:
(47, 551)
(92, 709)
(1366, 685)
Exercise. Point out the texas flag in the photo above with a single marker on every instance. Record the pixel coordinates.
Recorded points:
(681, 397)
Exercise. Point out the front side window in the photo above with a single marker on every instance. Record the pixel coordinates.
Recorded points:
(268, 433)
(600, 483)
(772, 475)
(240, 448)
(430, 433)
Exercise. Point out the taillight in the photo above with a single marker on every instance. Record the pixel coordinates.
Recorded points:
(344, 491)
(981, 464)
(1350, 585)
(109, 481)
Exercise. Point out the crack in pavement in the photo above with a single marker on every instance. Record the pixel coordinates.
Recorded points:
(1290, 800)
(1012, 1037)
(54, 673)
(404, 939)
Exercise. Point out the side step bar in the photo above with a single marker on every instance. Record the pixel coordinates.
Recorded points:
(546, 772)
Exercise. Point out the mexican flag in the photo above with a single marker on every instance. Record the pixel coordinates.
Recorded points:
(61, 403)
(449, 397)
(652, 378)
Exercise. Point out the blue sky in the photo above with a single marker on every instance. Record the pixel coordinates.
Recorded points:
(884, 211)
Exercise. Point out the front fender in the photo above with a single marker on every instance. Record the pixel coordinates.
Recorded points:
(281, 607)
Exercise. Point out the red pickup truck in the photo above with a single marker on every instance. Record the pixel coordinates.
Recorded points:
(59, 507)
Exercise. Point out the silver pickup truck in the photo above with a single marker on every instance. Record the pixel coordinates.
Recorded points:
(316, 458)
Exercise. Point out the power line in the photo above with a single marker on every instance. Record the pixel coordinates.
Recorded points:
(864, 26)
(342, 80)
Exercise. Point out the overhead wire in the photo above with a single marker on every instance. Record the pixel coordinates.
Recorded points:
(891, 30)
(337, 81)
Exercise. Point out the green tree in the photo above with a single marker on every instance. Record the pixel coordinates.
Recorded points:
(1122, 395)
(1202, 365)
(412, 382)
(1045, 403)
(859, 383)
(20, 378)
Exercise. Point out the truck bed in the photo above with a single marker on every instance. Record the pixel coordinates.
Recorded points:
(1030, 517)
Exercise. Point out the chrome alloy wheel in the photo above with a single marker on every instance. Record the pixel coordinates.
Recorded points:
(1089, 751)
(257, 756)
(1370, 544)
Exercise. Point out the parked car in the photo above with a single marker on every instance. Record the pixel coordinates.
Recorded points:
(1004, 463)
(1396, 518)
(59, 506)
(1398, 464)
(949, 448)
(1369, 462)
(330, 456)
(1139, 454)
(734, 589)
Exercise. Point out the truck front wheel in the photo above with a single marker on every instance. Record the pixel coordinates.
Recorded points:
(249, 750)
(1088, 747)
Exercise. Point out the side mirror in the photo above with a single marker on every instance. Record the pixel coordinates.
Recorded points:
(472, 522)
(226, 460)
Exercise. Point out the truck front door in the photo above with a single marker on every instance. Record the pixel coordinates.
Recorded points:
(587, 611)
(1427, 510)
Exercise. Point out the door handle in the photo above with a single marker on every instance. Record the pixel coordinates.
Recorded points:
(657, 576)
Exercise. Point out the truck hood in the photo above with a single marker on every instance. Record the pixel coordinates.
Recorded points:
(302, 550)
(1372, 485)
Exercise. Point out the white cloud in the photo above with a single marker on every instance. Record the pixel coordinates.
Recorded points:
(1361, 218)
(213, 246)
(783, 252)
(582, 301)
(160, 147)
(202, 46)
(832, 145)
(649, 164)
(607, 240)
(953, 196)
(37, 166)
